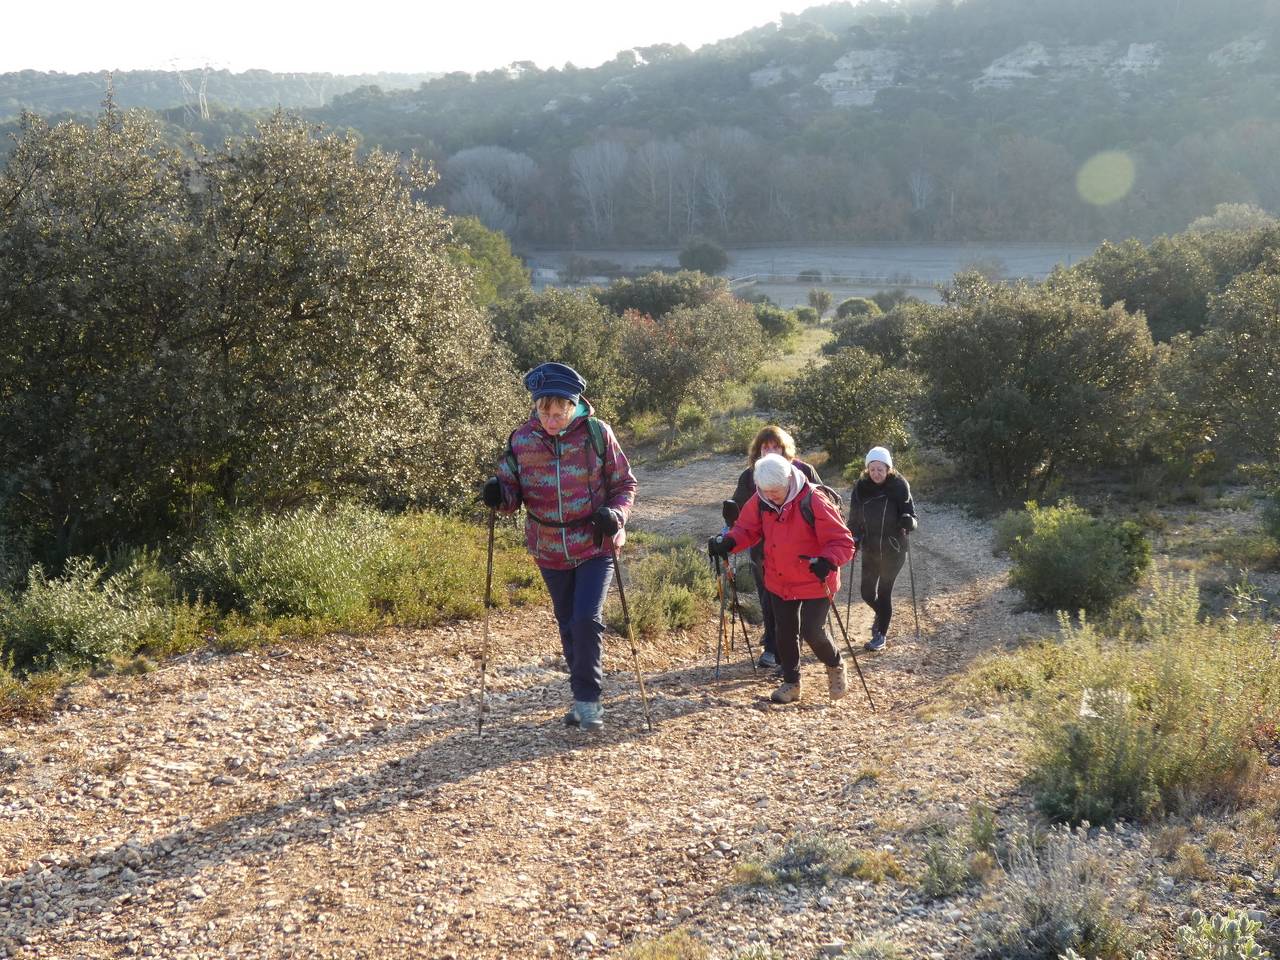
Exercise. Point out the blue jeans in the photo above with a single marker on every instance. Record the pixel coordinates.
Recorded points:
(577, 597)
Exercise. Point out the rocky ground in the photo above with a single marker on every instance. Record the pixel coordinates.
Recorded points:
(333, 799)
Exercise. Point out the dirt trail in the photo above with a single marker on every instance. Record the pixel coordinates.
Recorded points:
(334, 800)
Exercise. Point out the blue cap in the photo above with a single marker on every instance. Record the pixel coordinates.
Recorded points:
(554, 380)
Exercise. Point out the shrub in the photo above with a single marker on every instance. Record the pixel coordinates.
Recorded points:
(850, 403)
(688, 354)
(1026, 380)
(871, 948)
(657, 294)
(669, 587)
(705, 256)
(433, 569)
(777, 323)
(80, 619)
(857, 307)
(807, 315)
(1072, 561)
(1170, 281)
(314, 563)
(568, 327)
(889, 336)
(1228, 936)
(946, 870)
(264, 322)
(1132, 731)
(1008, 528)
(1057, 901)
(813, 858)
(1237, 357)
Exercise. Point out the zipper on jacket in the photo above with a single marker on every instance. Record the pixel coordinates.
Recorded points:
(564, 536)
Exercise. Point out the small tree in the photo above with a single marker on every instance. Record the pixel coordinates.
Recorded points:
(850, 403)
(820, 300)
(705, 256)
(857, 307)
(1170, 281)
(1025, 380)
(688, 354)
(568, 327)
(495, 272)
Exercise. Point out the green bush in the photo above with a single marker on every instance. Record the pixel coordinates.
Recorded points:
(80, 619)
(669, 587)
(1229, 936)
(1024, 381)
(946, 868)
(1072, 561)
(806, 315)
(1010, 527)
(259, 323)
(568, 327)
(850, 403)
(433, 569)
(314, 563)
(777, 323)
(889, 336)
(820, 300)
(705, 256)
(857, 307)
(688, 354)
(1167, 718)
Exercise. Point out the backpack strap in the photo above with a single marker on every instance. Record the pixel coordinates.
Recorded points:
(595, 431)
(806, 502)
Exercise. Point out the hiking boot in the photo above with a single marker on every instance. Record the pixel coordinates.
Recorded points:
(876, 642)
(590, 715)
(787, 693)
(571, 718)
(837, 681)
(767, 660)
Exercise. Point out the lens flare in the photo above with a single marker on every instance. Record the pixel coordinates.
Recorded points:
(1105, 177)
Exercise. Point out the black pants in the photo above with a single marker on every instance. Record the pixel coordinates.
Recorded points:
(879, 569)
(793, 619)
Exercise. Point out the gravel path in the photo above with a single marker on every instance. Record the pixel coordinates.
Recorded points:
(333, 799)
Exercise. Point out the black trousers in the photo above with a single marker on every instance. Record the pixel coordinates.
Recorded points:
(793, 619)
(880, 568)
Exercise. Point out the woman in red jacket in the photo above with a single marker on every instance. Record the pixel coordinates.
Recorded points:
(805, 544)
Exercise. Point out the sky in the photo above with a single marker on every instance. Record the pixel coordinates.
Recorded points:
(367, 36)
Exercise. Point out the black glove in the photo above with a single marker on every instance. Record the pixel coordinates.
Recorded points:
(720, 545)
(491, 493)
(604, 523)
(821, 567)
(907, 522)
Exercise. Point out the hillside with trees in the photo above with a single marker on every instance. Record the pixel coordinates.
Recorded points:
(882, 121)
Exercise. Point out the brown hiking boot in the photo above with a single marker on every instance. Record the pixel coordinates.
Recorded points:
(837, 681)
(787, 693)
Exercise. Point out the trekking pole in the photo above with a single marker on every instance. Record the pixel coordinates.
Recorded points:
(737, 607)
(720, 635)
(914, 612)
(631, 636)
(484, 642)
(845, 633)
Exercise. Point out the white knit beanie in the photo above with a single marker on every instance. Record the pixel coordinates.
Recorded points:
(879, 453)
(772, 471)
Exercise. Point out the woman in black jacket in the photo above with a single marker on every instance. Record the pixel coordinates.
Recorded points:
(881, 517)
(770, 439)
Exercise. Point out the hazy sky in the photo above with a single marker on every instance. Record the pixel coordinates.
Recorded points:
(359, 37)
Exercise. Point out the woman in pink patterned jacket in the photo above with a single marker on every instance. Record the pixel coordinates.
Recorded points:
(576, 486)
